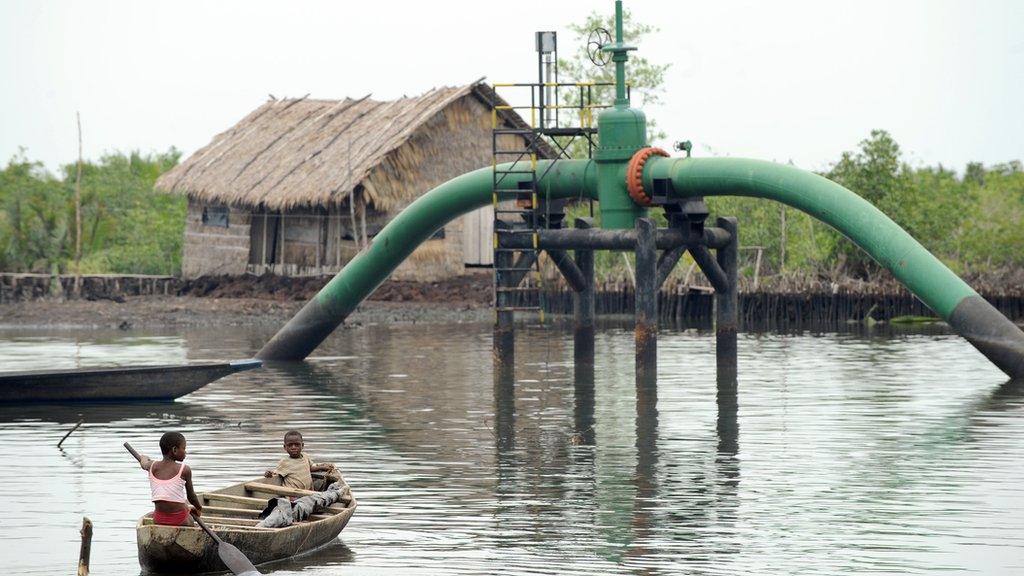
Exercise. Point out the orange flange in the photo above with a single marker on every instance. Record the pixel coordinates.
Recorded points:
(635, 173)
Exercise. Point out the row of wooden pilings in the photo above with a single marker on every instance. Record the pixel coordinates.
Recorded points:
(16, 287)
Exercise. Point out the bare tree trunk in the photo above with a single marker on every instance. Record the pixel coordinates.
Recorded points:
(352, 199)
(632, 277)
(78, 212)
(782, 240)
(352, 218)
(362, 219)
(319, 240)
(757, 267)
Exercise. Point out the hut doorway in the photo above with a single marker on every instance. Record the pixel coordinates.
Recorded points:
(263, 234)
(477, 238)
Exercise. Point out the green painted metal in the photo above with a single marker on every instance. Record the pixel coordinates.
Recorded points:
(891, 246)
(420, 220)
(869, 228)
(430, 212)
(621, 131)
(620, 55)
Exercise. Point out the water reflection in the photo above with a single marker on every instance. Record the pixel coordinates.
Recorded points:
(860, 453)
(583, 405)
(645, 480)
(1009, 396)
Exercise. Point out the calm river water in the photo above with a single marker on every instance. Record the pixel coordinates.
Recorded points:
(849, 453)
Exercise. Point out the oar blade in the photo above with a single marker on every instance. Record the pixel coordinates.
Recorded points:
(234, 559)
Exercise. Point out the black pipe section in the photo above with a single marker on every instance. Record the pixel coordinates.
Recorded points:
(666, 262)
(727, 301)
(991, 333)
(504, 325)
(597, 239)
(570, 271)
(524, 262)
(304, 332)
(646, 331)
(584, 308)
(710, 268)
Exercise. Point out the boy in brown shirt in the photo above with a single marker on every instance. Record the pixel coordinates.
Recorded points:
(295, 470)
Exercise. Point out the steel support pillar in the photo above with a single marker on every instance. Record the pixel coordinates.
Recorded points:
(667, 261)
(728, 408)
(504, 322)
(727, 302)
(504, 414)
(583, 307)
(646, 330)
(583, 404)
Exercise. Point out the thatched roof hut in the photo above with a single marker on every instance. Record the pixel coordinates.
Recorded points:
(319, 163)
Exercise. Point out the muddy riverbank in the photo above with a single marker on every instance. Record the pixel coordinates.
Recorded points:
(244, 301)
(156, 311)
(272, 300)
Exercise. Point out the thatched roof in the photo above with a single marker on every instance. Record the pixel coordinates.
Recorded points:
(306, 152)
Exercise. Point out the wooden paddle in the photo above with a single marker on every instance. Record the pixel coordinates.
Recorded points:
(231, 556)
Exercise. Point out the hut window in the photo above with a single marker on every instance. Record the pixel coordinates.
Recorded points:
(215, 216)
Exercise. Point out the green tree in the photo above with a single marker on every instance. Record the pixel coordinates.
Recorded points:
(127, 227)
(930, 203)
(646, 78)
(992, 236)
(877, 173)
(34, 217)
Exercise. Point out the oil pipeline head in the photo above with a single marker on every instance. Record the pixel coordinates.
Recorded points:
(622, 131)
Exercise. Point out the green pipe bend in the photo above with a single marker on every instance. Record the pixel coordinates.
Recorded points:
(891, 246)
(396, 241)
(429, 213)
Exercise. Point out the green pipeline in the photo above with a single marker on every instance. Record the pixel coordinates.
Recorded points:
(884, 240)
(853, 216)
(418, 222)
(621, 132)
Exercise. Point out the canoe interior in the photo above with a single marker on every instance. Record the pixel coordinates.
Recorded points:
(232, 512)
(114, 384)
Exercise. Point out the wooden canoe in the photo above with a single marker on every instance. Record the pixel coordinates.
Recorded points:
(115, 384)
(232, 513)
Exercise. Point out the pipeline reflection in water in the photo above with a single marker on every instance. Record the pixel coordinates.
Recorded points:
(861, 452)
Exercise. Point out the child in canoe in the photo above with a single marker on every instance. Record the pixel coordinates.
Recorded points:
(170, 483)
(296, 470)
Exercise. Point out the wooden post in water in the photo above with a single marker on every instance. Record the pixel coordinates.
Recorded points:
(646, 330)
(727, 302)
(83, 553)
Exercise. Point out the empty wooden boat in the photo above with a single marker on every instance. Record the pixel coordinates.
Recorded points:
(115, 383)
(232, 513)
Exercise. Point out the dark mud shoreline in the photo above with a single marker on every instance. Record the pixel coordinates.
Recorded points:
(251, 301)
(170, 311)
(272, 300)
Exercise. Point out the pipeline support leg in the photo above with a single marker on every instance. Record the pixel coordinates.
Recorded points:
(583, 307)
(727, 302)
(646, 331)
(504, 323)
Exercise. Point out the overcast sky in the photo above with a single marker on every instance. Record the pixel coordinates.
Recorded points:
(781, 80)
